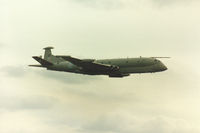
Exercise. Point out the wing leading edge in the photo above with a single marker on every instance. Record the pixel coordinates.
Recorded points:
(90, 64)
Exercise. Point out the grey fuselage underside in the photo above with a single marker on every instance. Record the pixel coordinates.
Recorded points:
(126, 65)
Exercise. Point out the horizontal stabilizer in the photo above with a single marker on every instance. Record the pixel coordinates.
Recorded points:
(42, 61)
(35, 65)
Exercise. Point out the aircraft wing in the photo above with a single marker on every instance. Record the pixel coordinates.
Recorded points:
(90, 64)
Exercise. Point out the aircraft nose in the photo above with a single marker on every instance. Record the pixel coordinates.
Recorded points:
(163, 67)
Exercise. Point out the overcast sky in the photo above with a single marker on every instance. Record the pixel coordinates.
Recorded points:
(34, 100)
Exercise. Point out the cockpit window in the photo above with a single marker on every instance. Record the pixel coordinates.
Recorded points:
(156, 60)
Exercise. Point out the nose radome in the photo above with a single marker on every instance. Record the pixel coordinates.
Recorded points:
(164, 67)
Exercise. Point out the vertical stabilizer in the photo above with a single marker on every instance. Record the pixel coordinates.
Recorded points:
(48, 56)
(47, 53)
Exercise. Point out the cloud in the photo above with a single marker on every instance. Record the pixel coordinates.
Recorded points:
(105, 4)
(119, 4)
(171, 2)
(13, 71)
(123, 123)
(36, 100)
(1, 47)
(66, 77)
(31, 102)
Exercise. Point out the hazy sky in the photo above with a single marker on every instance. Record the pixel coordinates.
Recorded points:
(34, 100)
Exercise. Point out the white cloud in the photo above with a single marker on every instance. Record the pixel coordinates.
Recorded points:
(13, 71)
(105, 4)
(124, 123)
(171, 2)
(68, 78)
(134, 4)
(29, 102)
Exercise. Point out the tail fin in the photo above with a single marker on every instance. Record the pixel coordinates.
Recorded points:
(47, 53)
(48, 60)
(48, 56)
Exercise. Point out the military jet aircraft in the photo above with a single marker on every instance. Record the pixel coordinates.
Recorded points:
(111, 67)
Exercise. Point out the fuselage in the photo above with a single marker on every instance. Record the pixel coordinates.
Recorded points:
(136, 65)
(126, 65)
